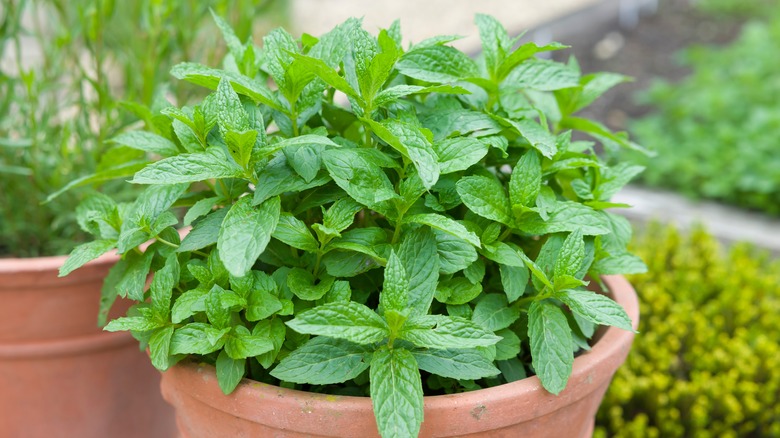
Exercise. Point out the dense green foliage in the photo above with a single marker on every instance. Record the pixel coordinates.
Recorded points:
(62, 99)
(715, 132)
(706, 363)
(376, 219)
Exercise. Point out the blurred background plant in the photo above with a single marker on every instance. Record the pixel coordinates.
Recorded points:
(705, 363)
(716, 131)
(66, 69)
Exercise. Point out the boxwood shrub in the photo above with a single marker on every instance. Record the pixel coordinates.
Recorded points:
(706, 363)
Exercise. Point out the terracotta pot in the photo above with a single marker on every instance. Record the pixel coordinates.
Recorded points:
(521, 408)
(61, 375)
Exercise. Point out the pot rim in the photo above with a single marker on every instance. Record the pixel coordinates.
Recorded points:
(591, 370)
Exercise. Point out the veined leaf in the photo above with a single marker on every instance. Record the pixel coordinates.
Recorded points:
(461, 364)
(486, 197)
(245, 232)
(350, 321)
(551, 345)
(323, 361)
(188, 168)
(396, 393)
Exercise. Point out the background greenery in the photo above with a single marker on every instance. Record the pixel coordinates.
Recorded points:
(706, 358)
(716, 131)
(59, 111)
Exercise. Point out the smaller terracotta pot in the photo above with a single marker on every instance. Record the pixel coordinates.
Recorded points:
(521, 408)
(60, 374)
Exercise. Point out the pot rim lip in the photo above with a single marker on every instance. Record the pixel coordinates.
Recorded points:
(613, 343)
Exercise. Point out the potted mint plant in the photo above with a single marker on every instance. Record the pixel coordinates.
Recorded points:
(367, 220)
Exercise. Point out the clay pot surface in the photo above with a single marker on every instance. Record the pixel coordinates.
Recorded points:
(60, 374)
(521, 408)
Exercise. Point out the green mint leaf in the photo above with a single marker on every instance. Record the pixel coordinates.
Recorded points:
(205, 232)
(485, 196)
(512, 369)
(184, 305)
(455, 254)
(245, 232)
(240, 343)
(279, 47)
(341, 214)
(229, 372)
(188, 168)
(306, 160)
(457, 290)
(459, 153)
(234, 45)
(411, 143)
(161, 289)
(444, 332)
(391, 94)
(350, 321)
(446, 225)
(537, 136)
(147, 142)
(295, 233)
(571, 256)
(363, 180)
(543, 75)
(601, 132)
(275, 330)
(323, 361)
(395, 286)
(396, 393)
(437, 64)
(231, 115)
(614, 178)
(522, 53)
(461, 364)
(333, 46)
(594, 85)
(495, 42)
(551, 345)
(197, 338)
(209, 77)
(294, 142)
(328, 75)
(159, 347)
(514, 279)
(446, 121)
(218, 315)
(493, 313)
(200, 208)
(596, 308)
(85, 253)
(567, 217)
(302, 284)
(134, 271)
(131, 323)
(509, 345)
(419, 256)
(278, 177)
(261, 304)
(526, 180)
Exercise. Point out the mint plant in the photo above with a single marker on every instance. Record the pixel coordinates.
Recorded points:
(378, 221)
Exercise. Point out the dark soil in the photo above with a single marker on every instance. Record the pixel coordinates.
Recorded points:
(646, 52)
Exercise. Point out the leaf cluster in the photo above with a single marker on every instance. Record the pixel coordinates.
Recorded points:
(374, 216)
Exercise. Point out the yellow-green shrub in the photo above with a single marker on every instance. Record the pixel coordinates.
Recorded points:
(706, 362)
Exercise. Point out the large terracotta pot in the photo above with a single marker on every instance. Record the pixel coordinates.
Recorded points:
(518, 409)
(61, 375)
